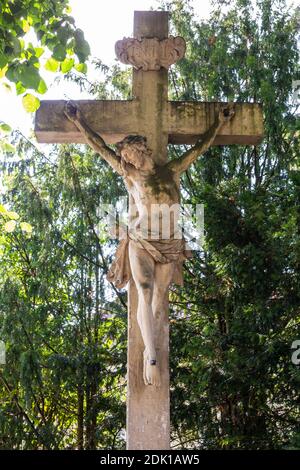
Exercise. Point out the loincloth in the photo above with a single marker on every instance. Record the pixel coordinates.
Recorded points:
(162, 251)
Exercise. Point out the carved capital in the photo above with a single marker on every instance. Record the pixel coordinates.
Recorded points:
(150, 53)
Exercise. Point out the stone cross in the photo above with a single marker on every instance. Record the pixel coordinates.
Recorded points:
(149, 114)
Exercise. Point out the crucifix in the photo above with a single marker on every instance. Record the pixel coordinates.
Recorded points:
(142, 128)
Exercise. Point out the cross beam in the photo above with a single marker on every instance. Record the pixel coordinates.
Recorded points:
(149, 113)
(185, 122)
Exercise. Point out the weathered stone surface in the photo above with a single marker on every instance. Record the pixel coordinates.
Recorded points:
(148, 407)
(113, 120)
(188, 120)
(150, 53)
(182, 122)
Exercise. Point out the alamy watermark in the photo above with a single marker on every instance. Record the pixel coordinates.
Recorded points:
(296, 352)
(296, 92)
(2, 353)
(153, 222)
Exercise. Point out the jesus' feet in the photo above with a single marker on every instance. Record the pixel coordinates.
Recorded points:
(151, 371)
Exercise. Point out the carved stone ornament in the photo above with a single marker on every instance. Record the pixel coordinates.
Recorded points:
(150, 53)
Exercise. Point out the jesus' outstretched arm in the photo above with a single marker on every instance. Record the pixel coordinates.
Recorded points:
(182, 164)
(92, 138)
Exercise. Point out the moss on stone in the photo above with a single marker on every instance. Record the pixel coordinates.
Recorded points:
(160, 180)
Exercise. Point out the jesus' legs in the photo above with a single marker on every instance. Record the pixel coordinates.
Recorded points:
(143, 269)
(162, 279)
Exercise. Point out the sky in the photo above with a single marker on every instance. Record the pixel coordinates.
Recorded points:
(104, 22)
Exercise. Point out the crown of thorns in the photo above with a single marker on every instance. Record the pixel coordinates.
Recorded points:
(131, 139)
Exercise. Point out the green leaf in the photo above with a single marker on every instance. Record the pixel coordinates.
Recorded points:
(25, 227)
(82, 68)
(25, 26)
(39, 51)
(7, 147)
(59, 53)
(11, 73)
(64, 33)
(66, 65)
(16, 45)
(29, 75)
(82, 51)
(42, 88)
(20, 89)
(31, 103)
(5, 128)
(3, 60)
(10, 226)
(52, 65)
(82, 48)
(33, 60)
(3, 71)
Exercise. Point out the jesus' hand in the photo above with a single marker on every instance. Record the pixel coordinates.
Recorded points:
(226, 113)
(72, 112)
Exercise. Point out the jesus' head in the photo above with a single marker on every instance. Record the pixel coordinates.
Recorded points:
(135, 151)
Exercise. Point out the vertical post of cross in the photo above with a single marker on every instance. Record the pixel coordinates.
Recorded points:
(150, 88)
(148, 408)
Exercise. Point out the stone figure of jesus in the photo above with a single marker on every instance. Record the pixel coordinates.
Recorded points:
(153, 262)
